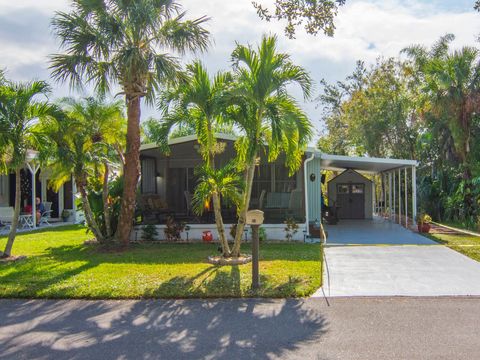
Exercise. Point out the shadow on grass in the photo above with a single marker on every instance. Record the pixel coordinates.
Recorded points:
(184, 329)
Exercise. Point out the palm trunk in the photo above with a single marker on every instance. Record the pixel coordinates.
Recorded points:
(106, 207)
(249, 175)
(217, 209)
(16, 214)
(131, 171)
(89, 218)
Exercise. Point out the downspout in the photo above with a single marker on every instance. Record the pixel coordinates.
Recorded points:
(305, 179)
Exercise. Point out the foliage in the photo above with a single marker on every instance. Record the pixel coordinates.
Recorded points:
(149, 232)
(126, 43)
(58, 265)
(291, 228)
(265, 113)
(423, 218)
(424, 107)
(197, 103)
(66, 213)
(20, 109)
(85, 140)
(262, 234)
(173, 229)
(317, 14)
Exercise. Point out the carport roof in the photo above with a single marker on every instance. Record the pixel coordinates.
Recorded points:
(364, 164)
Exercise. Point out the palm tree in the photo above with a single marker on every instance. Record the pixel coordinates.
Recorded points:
(87, 140)
(451, 86)
(197, 103)
(19, 111)
(125, 43)
(266, 113)
(216, 184)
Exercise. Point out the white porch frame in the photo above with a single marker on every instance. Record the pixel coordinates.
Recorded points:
(387, 170)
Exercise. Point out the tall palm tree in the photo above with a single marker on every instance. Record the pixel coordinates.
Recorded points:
(451, 86)
(20, 109)
(125, 43)
(266, 113)
(83, 140)
(197, 102)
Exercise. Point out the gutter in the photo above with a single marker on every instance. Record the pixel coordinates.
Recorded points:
(305, 178)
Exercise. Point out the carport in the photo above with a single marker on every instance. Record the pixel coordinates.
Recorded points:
(395, 199)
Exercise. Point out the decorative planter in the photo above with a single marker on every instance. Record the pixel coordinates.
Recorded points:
(423, 228)
(207, 236)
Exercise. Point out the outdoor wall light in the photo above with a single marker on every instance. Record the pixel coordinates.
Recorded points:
(312, 177)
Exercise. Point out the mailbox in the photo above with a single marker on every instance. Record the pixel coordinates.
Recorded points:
(254, 217)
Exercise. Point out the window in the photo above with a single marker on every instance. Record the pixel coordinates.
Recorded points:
(357, 189)
(342, 189)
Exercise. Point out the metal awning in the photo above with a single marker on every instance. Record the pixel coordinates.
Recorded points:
(365, 164)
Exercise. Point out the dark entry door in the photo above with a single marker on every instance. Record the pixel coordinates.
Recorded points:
(351, 201)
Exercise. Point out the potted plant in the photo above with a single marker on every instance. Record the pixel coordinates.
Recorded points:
(65, 215)
(423, 223)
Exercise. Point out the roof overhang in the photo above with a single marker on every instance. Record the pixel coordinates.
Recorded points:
(188, 138)
(364, 164)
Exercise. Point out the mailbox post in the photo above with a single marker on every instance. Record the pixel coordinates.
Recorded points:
(255, 219)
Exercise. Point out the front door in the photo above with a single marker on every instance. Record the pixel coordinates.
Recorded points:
(351, 201)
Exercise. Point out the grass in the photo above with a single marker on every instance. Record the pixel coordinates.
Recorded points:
(466, 244)
(462, 225)
(58, 265)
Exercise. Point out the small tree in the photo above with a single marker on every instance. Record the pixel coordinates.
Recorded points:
(20, 108)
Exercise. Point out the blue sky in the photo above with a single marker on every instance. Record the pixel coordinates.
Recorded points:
(366, 29)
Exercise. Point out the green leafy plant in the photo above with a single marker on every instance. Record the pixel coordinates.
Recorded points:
(423, 218)
(173, 229)
(149, 232)
(262, 234)
(291, 228)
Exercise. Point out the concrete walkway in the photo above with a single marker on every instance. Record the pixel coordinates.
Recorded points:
(353, 328)
(386, 259)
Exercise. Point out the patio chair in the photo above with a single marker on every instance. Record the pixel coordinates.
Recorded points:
(295, 204)
(46, 214)
(261, 199)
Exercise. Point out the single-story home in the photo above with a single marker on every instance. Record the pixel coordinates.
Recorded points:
(35, 183)
(362, 188)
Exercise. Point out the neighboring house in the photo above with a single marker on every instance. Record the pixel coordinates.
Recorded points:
(168, 182)
(63, 199)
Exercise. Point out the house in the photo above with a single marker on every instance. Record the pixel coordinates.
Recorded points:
(363, 189)
(35, 183)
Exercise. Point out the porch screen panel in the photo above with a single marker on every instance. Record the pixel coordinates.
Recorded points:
(149, 176)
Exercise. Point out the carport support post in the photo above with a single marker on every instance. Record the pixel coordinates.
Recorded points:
(390, 195)
(394, 197)
(406, 199)
(414, 193)
(399, 197)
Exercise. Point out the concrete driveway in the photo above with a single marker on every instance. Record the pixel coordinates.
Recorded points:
(385, 259)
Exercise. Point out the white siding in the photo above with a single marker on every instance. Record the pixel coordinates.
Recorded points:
(314, 189)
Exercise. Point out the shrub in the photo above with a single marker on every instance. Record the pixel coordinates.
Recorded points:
(291, 228)
(173, 229)
(149, 232)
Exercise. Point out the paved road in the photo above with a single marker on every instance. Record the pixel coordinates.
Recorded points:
(350, 328)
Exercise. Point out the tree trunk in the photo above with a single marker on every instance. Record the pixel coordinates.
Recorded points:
(89, 218)
(217, 209)
(250, 173)
(131, 171)
(106, 207)
(16, 214)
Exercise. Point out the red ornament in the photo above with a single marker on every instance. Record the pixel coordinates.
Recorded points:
(207, 236)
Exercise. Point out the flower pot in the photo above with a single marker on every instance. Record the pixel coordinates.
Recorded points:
(424, 228)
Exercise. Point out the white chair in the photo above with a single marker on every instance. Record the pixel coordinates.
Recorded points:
(261, 199)
(295, 203)
(45, 217)
(6, 218)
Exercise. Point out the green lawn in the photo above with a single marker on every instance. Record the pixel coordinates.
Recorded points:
(465, 244)
(58, 265)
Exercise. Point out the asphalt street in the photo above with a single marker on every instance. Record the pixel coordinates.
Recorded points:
(346, 328)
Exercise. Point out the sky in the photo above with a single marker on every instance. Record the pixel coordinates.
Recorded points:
(366, 30)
